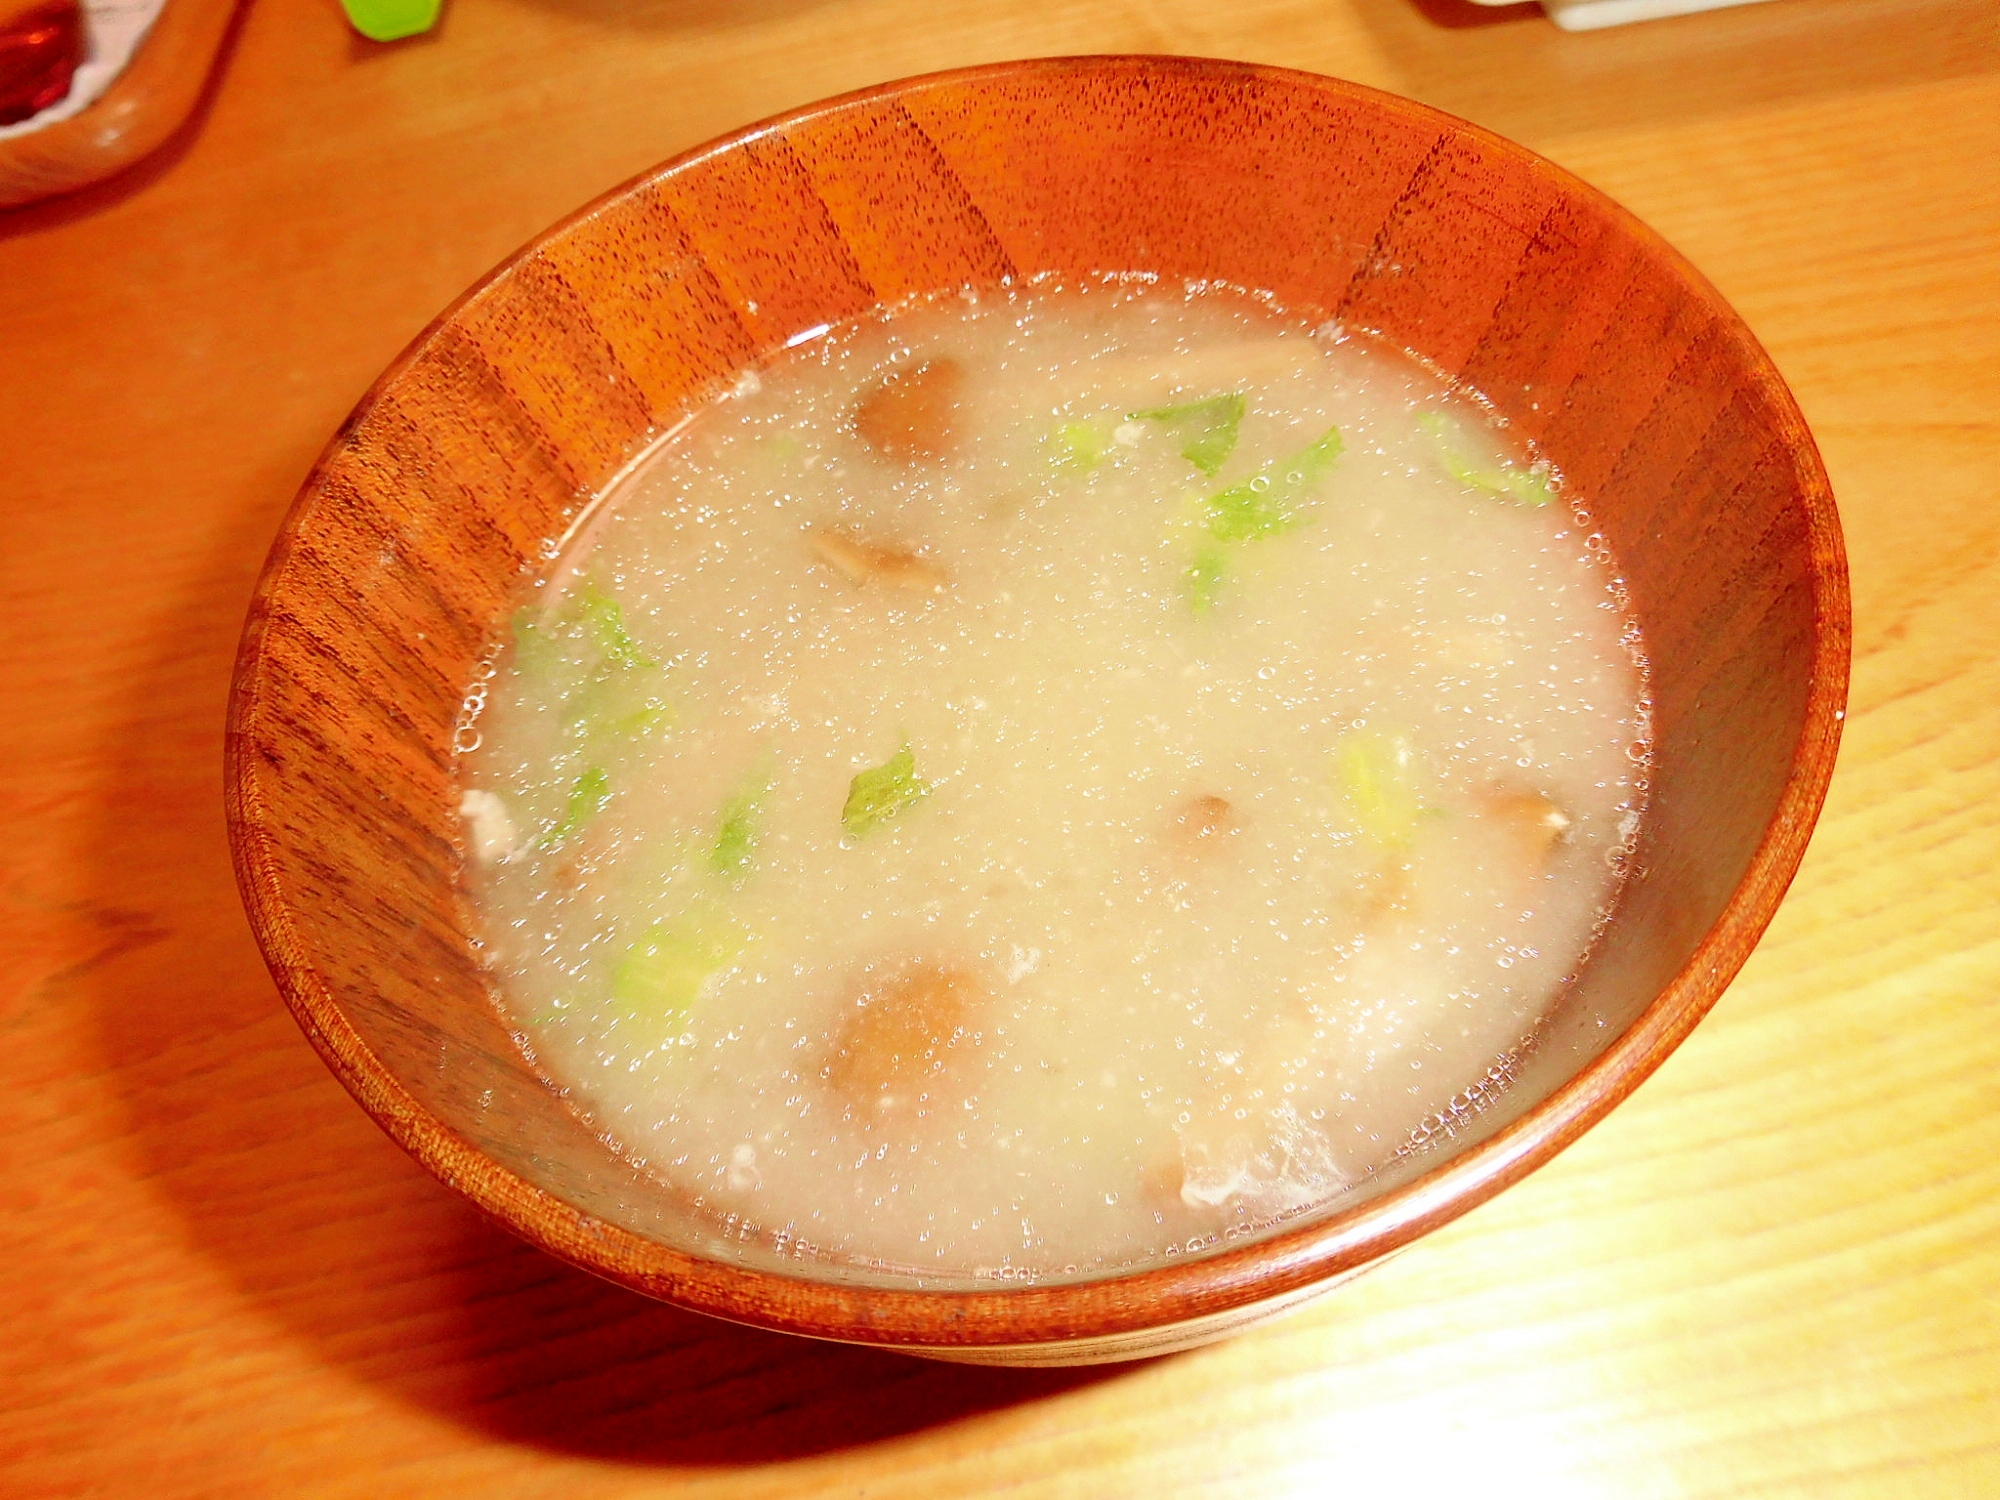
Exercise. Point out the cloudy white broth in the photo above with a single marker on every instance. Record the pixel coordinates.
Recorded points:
(1039, 781)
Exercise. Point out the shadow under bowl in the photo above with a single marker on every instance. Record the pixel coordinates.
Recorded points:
(410, 539)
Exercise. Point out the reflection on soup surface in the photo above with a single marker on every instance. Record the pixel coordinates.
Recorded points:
(1041, 779)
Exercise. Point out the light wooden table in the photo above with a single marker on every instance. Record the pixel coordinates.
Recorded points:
(1776, 1271)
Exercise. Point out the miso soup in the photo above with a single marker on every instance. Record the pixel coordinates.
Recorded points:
(1039, 780)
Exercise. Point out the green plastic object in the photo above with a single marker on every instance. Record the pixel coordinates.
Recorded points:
(392, 20)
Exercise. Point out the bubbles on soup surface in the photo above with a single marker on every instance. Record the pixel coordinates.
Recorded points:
(1041, 781)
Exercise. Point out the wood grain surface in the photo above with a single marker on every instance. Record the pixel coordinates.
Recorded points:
(1772, 1272)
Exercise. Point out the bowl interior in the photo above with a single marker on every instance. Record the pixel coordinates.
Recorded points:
(479, 446)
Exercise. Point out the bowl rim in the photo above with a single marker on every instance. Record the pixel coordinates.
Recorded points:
(1174, 1291)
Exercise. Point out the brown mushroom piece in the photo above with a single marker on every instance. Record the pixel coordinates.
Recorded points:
(1204, 820)
(1387, 895)
(1534, 823)
(901, 1031)
(869, 562)
(910, 415)
(1161, 1175)
(580, 859)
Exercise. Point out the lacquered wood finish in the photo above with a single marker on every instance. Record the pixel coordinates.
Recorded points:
(408, 540)
(136, 115)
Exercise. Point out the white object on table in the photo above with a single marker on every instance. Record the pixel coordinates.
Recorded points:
(1590, 15)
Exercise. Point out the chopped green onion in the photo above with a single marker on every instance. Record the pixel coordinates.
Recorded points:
(1203, 578)
(1528, 486)
(876, 796)
(534, 650)
(586, 801)
(642, 720)
(586, 660)
(607, 628)
(1207, 429)
(1377, 776)
(738, 830)
(1274, 499)
(1081, 446)
(538, 642)
(662, 975)
(613, 705)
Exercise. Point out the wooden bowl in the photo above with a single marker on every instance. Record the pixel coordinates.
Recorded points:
(406, 545)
